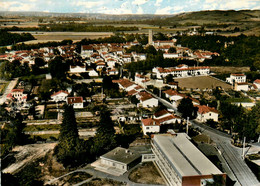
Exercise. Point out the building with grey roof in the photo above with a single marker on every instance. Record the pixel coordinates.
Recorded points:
(180, 162)
(118, 161)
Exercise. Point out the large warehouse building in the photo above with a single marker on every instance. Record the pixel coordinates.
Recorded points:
(180, 162)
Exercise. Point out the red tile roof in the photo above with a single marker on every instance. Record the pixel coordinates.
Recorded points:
(61, 91)
(167, 118)
(132, 92)
(17, 90)
(126, 83)
(172, 69)
(146, 97)
(205, 109)
(257, 81)
(72, 100)
(238, 74)
(149, 122)
(173, 93)
(161, 113)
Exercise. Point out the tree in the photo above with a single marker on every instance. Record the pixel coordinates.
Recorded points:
(105, 136)
(172, 50)
(12, 134)
(58, 68)
(70, 150)
(151, 50)
(187, 109)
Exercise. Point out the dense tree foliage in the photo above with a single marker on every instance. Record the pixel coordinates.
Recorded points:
(7, 38)
(58, 67)
(74, 27)
(111, 89)
(105, 136)
(236, 51)
(187, 109)
(12, 134)
(13, 69)
(70, 150)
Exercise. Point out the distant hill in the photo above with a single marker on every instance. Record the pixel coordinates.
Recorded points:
(242, 21)
(216, 16)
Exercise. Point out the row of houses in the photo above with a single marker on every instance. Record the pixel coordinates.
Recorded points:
(181, 71)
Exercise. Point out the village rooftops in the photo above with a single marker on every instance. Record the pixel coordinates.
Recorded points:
(123, 155)
(172, 69)
(205, 109)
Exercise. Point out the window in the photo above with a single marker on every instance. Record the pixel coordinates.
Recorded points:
(147, 127)
(209, 114)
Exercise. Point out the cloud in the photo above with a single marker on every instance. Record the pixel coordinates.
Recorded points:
(234, 4)
(125, 8)
(139, 2)
(16, 6)
(140, 10)
(88, 4)
(158, 2)
(165, 10)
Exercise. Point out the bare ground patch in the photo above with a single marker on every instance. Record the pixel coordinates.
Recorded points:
(201, 82)
(223, 69)
(146, 174)
(28, 153)
(106, 182)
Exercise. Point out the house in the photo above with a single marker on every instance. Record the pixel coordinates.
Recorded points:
(126, 85)
(86, 51)
(165, 117)
(77, 69)
(171, 55)
(138, 56)
(92, 72)
(150, 125)
(173, 95)
(18, 95)
(173, 85)
(59, 96)
(256, 84)
(180, 71)
(205, 113)
(117, 161)
(77, 102)
(140, 79)
(147, 100)
(241, 86)
(236, 78)
(180, 162)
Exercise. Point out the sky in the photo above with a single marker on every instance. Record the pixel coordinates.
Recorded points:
(126, 6)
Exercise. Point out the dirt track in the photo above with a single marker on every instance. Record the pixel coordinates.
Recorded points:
(28, 153)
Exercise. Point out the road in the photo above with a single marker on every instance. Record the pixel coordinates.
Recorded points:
(230, 153)
(8, 90)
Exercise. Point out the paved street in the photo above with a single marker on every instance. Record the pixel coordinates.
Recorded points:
(231, 154)
(8, 90)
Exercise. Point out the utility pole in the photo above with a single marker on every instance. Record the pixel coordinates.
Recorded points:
(187, 126)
